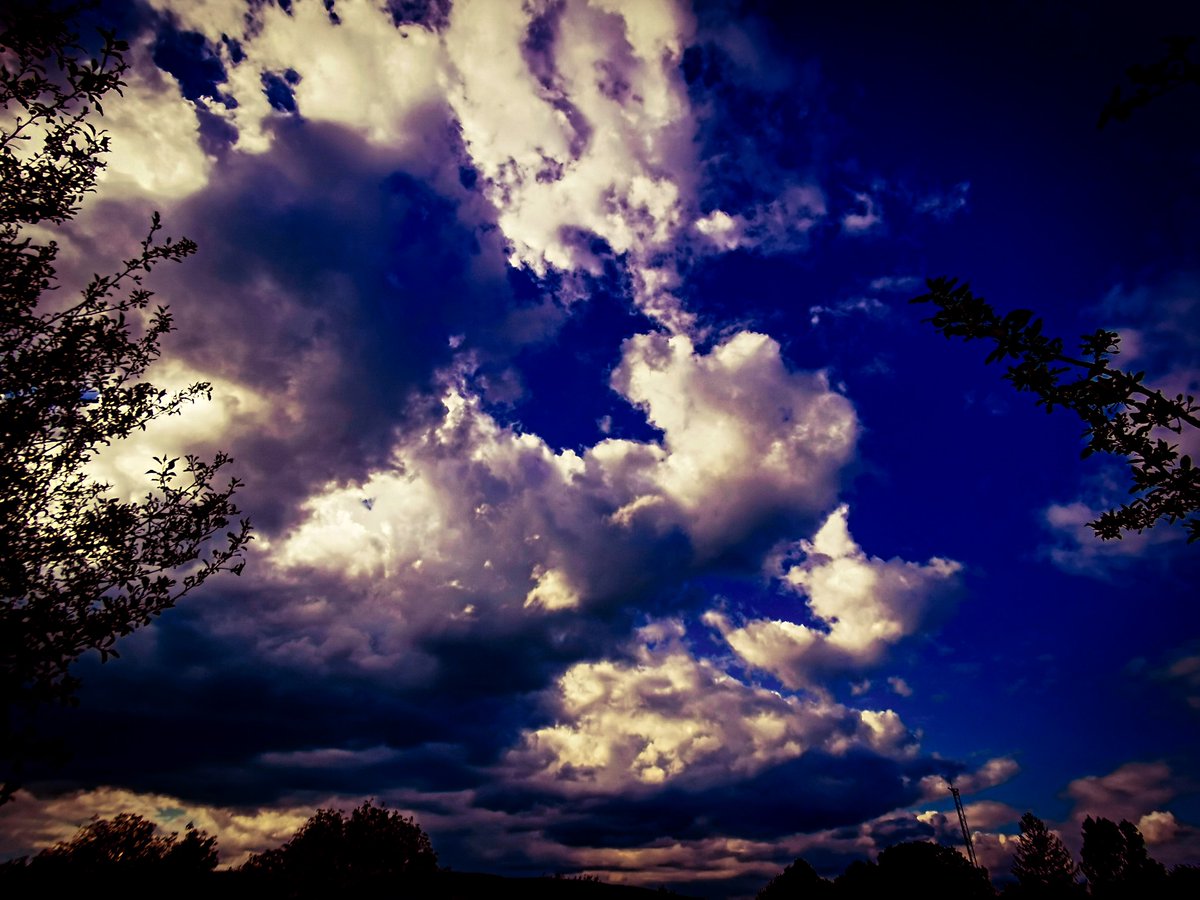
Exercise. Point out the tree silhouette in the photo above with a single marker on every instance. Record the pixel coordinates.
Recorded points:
(130, 842)
(1043, 866)
(1170, 73)
(79, 567)
(799, 880)
(375, 846)
(1116, 863)
(1123, 415)
(924, 869)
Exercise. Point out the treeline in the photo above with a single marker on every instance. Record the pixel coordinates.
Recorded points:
(1114, 865)
(372, 849)
(372, 852)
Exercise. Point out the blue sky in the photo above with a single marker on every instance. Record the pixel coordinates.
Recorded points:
(615, 511)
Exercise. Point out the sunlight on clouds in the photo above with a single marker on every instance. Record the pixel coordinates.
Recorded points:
(30, 823)
(991, 773)
(363, 73)
(155, 139)
(739, 427)
(863, 604)
(552, 592)
(124, 464)
(578, 120)
(668, 716)
(471, 512)
(778, 226)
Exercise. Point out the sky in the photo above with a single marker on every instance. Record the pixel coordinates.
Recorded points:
(614, 510)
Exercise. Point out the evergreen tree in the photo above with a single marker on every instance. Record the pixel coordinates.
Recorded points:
(1043, 866)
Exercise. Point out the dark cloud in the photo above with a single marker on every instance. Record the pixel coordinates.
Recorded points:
(329, 282)
(813, 792)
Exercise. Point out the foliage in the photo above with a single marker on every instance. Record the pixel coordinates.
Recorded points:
(1173, 71)
(1043, 865)
(921, 868)
(130, 841)
(798, 880)
(1116, 863)
(1122, 415)
(78, 567)
(373, 845)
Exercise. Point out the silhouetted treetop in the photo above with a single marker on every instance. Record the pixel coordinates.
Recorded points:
(1123, 415)
(80, 567)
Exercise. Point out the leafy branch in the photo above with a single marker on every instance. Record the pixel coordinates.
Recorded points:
(1123, 416)
(80, 568)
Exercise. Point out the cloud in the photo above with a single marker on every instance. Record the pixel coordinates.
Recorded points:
(993, 772)
(30, 823)
(363, 57)
(1155, 323)
(779, 225)
(869, 216)
(743, 435)
(1138, 792)
(1125, 793)
(868, 306)
(944, 205)
(604, 143)
(668, 717)
(860, 605)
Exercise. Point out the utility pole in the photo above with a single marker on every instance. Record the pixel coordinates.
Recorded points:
(962, 821)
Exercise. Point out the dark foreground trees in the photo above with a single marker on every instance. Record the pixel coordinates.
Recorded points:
(1043, 865)
(80, 567)
(1116, 865)
(372, 847)
(131, 842)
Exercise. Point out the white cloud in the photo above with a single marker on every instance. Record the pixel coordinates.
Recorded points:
(668, 716)
(867, 218)
(472, 513)
(993, 772)
(863, 605)
(362, 73)
(741, 433)
(778, 226)
(579, 126)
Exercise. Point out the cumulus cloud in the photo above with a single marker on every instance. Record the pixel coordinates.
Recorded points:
(860, 605)
(668, 716)
(1125, 793)
(364, 241)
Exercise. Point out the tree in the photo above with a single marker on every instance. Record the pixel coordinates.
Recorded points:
(1043, 865)
(1123, 416)
(800, 881)
(373, 847)
(1116, 863)
(79, 567)
(1175, 70)
(131, 842)
(924, 869)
